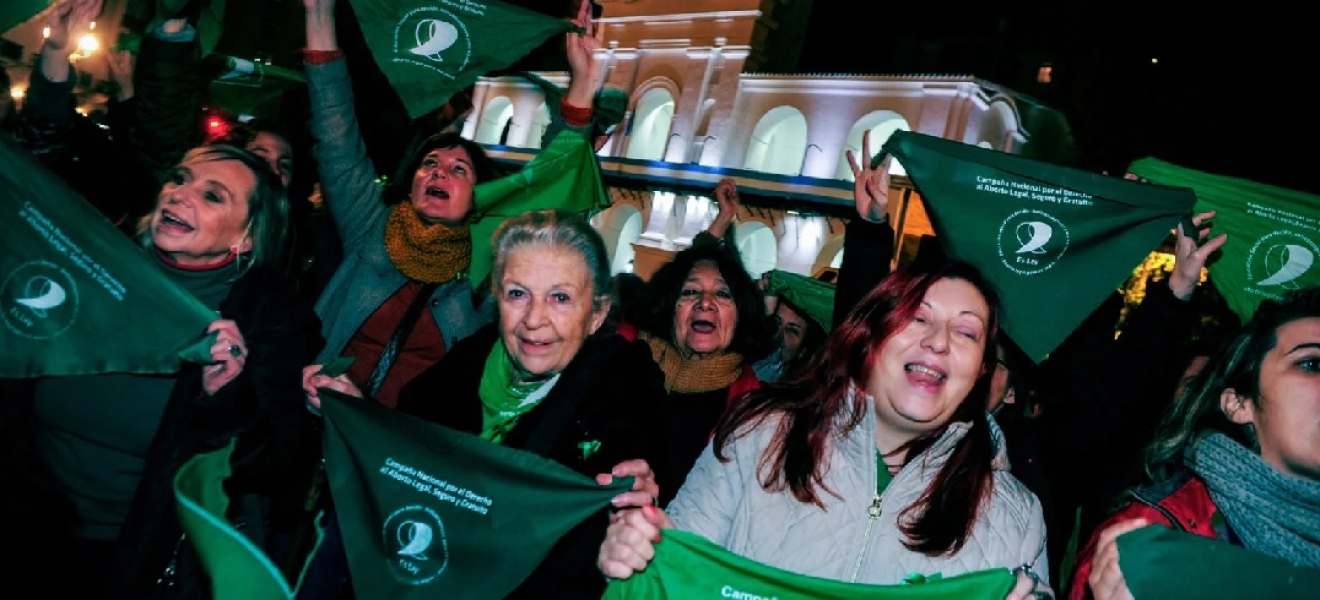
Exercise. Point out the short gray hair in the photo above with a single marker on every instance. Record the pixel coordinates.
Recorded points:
(554, 229)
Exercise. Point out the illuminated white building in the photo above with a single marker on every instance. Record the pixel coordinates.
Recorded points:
(698, 111)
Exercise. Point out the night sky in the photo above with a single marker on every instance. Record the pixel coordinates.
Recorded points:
(1228, 94)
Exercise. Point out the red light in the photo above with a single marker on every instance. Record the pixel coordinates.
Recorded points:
(215, 124)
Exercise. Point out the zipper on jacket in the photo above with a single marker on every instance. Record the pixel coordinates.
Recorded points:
(872, 515)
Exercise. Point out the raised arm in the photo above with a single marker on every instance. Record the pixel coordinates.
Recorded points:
(868, 240)
(348, 177)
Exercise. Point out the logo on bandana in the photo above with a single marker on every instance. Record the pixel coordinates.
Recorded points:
(433, 38)
(1278, 261)
(38, 300)
(1032, 241)
(415, 545)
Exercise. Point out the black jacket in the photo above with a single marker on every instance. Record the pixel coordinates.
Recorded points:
(612, 392)
(263, 409)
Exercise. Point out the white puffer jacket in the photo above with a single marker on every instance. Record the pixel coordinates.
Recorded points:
(724, 502)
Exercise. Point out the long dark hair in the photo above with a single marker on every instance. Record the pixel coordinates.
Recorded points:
(812, 401)
(1198, 411)
(813, 338)
(654, 312)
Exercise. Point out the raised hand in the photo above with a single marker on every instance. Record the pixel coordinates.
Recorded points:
(587, 69)
(1190, 254)
(870, 185)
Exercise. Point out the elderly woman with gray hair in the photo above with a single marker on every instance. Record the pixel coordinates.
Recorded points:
(548, 379)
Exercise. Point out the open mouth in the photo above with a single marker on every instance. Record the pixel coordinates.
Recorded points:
(702, 326)
(535, 346)
(924, 374)
(438, 193)
(169, 220)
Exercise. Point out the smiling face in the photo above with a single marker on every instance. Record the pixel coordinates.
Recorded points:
(276, 152)
(925, 370)
(1286, 417)
(442, 186)
(202, 212)
(706, 315)
(546, 309)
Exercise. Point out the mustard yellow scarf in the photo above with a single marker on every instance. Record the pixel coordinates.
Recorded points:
(693, 375)
(423, 252)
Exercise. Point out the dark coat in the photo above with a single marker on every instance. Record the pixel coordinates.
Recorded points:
(614, 393)
(263, 410)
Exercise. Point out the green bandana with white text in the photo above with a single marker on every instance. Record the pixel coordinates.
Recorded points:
(430, 512)
(1054, 241)
(1273, 233)
(689, 567)
(77, 296)
(429, 50)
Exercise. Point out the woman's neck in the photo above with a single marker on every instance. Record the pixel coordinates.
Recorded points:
(224, 261)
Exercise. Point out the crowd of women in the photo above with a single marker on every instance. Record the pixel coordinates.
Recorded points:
(904, 433)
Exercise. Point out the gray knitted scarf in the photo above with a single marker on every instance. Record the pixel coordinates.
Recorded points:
(1274, 514)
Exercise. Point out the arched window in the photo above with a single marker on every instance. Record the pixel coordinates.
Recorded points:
(881, 124)
(758, 247)
(651, 120)
(620, 227)
(495, 119)
(778, 143)
(539, 124)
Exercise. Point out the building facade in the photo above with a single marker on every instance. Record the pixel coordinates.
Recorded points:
(699, 110)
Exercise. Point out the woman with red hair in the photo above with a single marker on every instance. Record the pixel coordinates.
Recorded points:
(876, 463)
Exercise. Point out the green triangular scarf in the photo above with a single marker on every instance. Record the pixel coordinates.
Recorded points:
(565, 175)
(1273, 233)
(430, 512)
(78, 297)
(812, 295)
(430, 50)
(1055, 241)
(503, 401)
(689, 567)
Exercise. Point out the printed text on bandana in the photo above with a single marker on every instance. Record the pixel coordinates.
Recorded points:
(439, 488)
(62, 244)
(1031, 191)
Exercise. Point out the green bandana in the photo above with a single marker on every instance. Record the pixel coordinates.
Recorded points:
(1054, 241)
(430, 512)
(238, 569)
(1273, 233)
(503, 400)
(691, 567)
(1158, 562)
(812, 295)
(430, 50)
(77, 296)
(565, 175)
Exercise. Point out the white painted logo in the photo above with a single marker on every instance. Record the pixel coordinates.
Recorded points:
(415, 546)
(1031, 241)
(1033, 235)
(433, 38)
(1279, 260)
(38, 300)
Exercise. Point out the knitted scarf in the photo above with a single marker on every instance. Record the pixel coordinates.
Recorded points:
(692, 375)
(426, 253)
(1275, 514)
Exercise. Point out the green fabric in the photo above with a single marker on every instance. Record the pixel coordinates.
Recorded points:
(429, 512)
(430, 50)
(1273, 233)
(1054, 241)
(565, 175)
(689, 567)
(503, 400)
(17, 12)
(882, 475)
(608, 106)
(1158, 562)
(77, 297)
(812, 295)
(210, 26)
(246, 86)
(238, 569)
